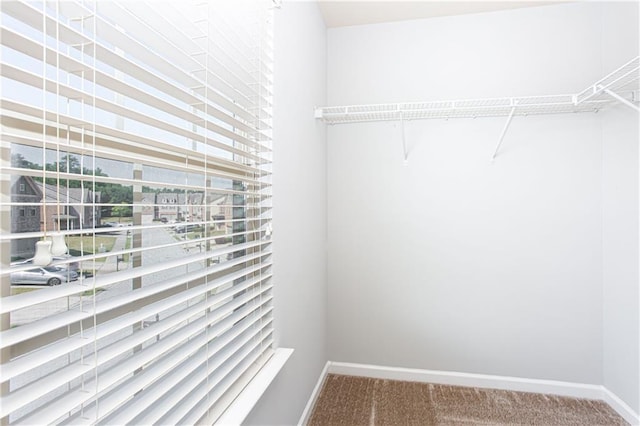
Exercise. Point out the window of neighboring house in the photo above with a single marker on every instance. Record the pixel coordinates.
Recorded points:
(151, 323)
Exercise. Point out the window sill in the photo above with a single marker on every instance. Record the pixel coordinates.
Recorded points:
(251, 394)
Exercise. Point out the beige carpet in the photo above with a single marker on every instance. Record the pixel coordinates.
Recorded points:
(347, 400)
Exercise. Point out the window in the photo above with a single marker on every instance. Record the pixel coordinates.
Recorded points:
(123, 120)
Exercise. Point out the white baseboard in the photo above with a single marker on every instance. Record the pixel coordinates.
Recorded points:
(553, 387)
(304, 418)
(621, 407)
(575, 390)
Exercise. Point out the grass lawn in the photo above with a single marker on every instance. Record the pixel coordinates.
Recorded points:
(124, 219)
(20, 290)
(89, 293)
(80, 246)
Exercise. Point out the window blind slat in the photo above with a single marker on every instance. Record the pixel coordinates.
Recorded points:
(168, 30)
(53, 322)
(33, 17)
(173, 404)
(49, 413)
(151, 394)
(89, 99)
(234, 374)
(111, 151)
(123, 181)
(40, 357)
(237, 363)
(136, 143)
(255, 230)
(146, 387)
(70, 65)
(49, 383)
(149, 41)
(25, 300)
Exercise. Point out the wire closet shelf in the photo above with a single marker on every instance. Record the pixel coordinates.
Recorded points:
(614, 88)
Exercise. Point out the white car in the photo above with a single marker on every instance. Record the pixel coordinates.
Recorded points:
(73, 266)
(47, 275)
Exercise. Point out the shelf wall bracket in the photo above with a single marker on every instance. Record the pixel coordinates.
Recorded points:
(504, 132)
(404, 141)
(621, 99)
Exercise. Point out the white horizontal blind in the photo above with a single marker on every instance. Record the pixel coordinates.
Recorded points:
(140, 132)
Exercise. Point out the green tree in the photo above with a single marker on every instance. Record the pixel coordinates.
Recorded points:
(123, 210)
(70, 163)
(18, 160)
(111, 193)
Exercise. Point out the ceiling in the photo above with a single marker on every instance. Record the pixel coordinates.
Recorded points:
(341, 13)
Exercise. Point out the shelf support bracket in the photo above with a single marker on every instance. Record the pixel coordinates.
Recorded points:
(621, 99)
(504, 132)
(404, 142)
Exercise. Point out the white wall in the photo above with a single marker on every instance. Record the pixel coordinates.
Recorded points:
(300, 226)
(620, 217)
(451, 262)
